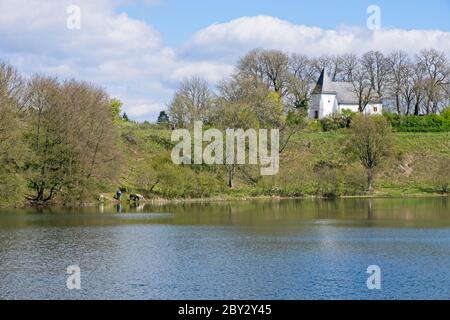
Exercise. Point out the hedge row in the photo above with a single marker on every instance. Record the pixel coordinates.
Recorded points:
(427, 123)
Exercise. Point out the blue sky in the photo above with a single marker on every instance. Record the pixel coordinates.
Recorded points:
(179, 19)
(140, 50)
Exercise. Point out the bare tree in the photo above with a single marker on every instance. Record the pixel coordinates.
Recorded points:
(299, 93)
(407, 90)
(193, 101)
(375, 64)
(437, 68)
(362, 87)
(333, 64)
(418, 78)
(301, 75)
(268, 66)
(301, 67)
(398, 63)
(275, 65)
(350, 63)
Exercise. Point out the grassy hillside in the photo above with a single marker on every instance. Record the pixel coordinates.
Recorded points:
(314, 164)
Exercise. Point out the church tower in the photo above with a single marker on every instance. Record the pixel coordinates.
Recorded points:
(323, 97)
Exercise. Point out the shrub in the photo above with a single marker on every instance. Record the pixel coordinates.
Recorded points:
(428, 123)
(445, 114)
(337, 121)
(327, 178)
(314, 126)
(355, 181)
(442, 176)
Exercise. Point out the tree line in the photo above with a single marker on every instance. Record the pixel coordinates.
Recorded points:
(272, 82)
(61, 139)
(272, 89)
(57, 138)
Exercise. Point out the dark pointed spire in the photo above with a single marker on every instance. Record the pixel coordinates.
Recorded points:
(324, 84)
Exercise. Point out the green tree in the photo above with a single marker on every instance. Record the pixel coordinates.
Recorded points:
(116, 110)
(235, 115)
(71, 138)
(370, 142)
(12, 149)
(163, 118)
(295, 121)
(265, 103)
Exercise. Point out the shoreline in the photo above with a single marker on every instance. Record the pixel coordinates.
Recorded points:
(164, 201)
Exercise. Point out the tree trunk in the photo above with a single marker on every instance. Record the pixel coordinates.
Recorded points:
(40, 194)
(397, 103)
(408, 106)
(231, 177)
(369, 180)
(416, 108)
(435, 107)
(427, 109)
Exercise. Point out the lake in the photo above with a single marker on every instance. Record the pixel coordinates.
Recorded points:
(265, 249)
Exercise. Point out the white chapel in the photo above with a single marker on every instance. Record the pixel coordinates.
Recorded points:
(330, 97)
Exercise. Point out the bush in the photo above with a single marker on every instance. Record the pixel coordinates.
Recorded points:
(446, 113)
(441, 179)
(12, 189)
(337, 121)
(355, 180)
(314, 126)
(181, 182)
(327, 178)
(428, 123)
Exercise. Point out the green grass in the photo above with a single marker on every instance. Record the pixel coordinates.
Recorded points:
(408, 171)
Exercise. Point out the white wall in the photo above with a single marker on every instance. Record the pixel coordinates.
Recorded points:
(314, 105)
(351, 107)
(372, 109)
(376, 108)
(327, 104)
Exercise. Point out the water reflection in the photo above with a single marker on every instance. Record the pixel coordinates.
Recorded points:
(369, 209)
(420, 212)
(289, 249)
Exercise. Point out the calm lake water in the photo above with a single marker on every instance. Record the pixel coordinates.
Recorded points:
(289, 249)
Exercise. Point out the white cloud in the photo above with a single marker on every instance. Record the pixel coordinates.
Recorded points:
(143, 109)
(209, 70)
(129, 58)
(231, 39)
(111, 49)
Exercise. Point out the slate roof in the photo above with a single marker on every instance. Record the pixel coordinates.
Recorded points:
(343, 90)
(324, 84)
(345, 93)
